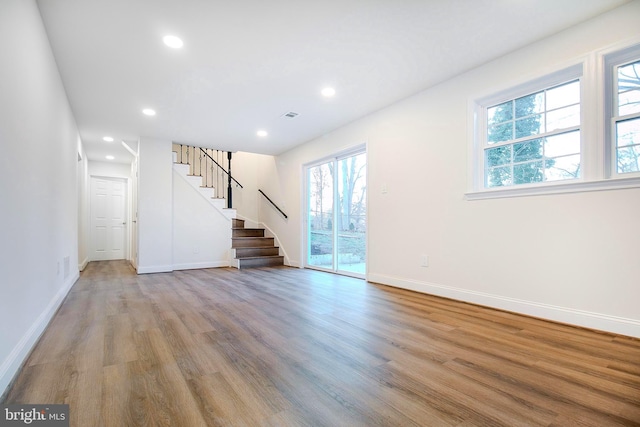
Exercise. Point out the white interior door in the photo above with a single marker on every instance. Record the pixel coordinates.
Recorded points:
(108, 218)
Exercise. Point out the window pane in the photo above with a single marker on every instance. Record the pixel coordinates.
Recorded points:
(563, 118)
(500, 113)
(535, 132)
(629, 102)
(629, 159)
(532, 125)
(529, 150)
(351, 219)
(320, 240)
(561, 168)
(499, 133)
(628, 132)
(525, 173)
(531, 104)
(563, 144)
(629, 77)
(629, 89)
(562, 96)
(498, 177)
(498, 156)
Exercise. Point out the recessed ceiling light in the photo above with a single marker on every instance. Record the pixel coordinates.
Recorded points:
(149, 112)
(262, 133)
(108, 139)
(173, 42)
(110, 157)
(328, 92)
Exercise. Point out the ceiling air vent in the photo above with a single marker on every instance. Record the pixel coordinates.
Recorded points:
(290, 115)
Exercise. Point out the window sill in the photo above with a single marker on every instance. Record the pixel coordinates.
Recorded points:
(556, 188)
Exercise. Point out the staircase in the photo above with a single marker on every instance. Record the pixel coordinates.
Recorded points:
(204, 170)
(252, 248)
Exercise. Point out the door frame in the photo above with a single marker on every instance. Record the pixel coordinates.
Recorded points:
(133, 214)
(336, 156)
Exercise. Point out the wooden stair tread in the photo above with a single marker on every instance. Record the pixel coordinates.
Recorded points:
(259, 252)
(260, 257)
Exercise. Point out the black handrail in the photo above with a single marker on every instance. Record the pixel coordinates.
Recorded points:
(274, 205)
(221, 168)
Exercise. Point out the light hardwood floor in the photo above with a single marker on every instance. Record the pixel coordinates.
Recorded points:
(291, 347)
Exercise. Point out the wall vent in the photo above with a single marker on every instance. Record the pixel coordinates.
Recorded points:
(290, 115)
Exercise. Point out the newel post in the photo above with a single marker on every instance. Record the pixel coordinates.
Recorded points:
(229, 190)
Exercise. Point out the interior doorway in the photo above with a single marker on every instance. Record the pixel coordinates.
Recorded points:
(108, 207)
(337, 214)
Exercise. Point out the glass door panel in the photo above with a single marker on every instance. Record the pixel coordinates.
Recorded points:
(320, 226)
(351, 224)
(337, 215)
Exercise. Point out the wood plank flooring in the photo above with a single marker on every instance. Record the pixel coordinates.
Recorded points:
(291, 347)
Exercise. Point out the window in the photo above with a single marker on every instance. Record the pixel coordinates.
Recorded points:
(626, 117)
(577, 129)
(534, 138)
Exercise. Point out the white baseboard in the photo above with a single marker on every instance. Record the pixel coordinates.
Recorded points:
(198, 265)
(598, 321)
(12, 364)
(155, 269)
(83, 264)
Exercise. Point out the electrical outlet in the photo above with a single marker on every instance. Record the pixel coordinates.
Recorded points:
(424, 261)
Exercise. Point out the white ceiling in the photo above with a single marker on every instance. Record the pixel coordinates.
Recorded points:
(247, 62)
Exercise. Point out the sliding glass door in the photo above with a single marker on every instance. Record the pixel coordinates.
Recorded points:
(337, 220)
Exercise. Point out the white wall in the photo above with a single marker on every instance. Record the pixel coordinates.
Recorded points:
(39, 239)
(155, 216)
(248, 169)
(133, 237)
(244, 168)
(83, 207)
(201, 233)
(110, 169)
(571, 258)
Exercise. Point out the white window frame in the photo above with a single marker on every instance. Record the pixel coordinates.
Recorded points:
(611, 63)
(597, 142)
